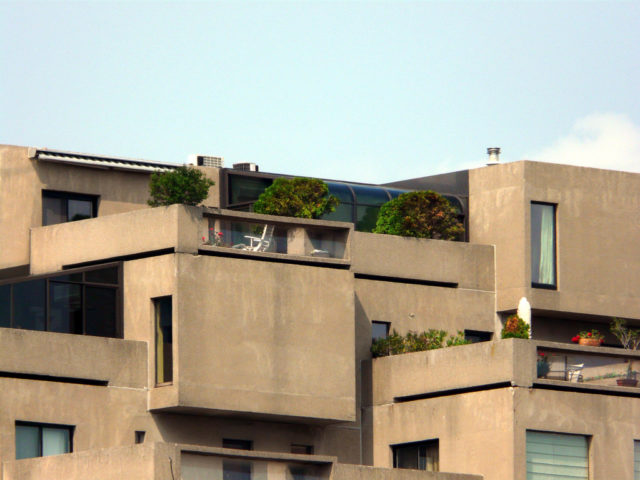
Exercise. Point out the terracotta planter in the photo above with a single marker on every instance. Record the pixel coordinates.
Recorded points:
(591, 342)
(627, 382)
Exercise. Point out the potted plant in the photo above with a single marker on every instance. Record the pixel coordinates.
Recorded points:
(630, 340)
(592, 338)
(543, 365)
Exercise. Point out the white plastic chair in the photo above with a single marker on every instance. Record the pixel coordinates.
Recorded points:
(260, 244)
(574, 372)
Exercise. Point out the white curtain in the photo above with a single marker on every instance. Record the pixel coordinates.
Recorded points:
(546, 272)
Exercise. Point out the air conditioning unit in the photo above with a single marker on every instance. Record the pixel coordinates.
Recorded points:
(247, 167)
(206, 160)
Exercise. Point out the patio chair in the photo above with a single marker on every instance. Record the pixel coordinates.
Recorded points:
(261, 244)
(574, 372)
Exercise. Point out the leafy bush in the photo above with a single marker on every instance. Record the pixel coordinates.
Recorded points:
(296, 197)
(432, 339)
(515, 327)
(425, 214)
(185, 185)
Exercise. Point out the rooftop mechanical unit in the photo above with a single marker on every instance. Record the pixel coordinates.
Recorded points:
(206, 161)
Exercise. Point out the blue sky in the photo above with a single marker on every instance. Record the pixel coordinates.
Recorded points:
(362, 91)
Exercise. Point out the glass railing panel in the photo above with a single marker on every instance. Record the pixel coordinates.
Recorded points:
(293, 239)
(588, 368)
(200, 466)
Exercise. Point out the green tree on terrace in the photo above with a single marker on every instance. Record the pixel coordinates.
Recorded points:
(185, 185)
(296, 197)
(424, 214)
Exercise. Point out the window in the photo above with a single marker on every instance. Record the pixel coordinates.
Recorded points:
(164, 339)
(558, 455)
(476, 336)
(40, 440)
(81, 302)
(302, 449)
(636, 460)
(417, 456)
(60, 207)
(236, 469)
(379, 330)
(139, 436)
(543, 245)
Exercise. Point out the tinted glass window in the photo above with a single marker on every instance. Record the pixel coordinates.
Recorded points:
(105, 275)
(79, 210)
(5, 305)
(29, 305)
(246, 189)
(101, 312)
(27, 441)
(379, 330)
(341, 192)
(55, 441)
(65, 307)
(164, 339)
(370, 195)
(543, 245)
(342, 213)
(367, 218)
(53, 211)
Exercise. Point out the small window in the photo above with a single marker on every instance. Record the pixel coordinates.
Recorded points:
(636, 460)
(557, 455)
(139, 436)
(302, 449)
(543, 245)
(164, 339)
(417, 456)
(476, 336)
(61, 207)
(41, 440)
(379, 330)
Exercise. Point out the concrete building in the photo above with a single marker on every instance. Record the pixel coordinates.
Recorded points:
(213, 342)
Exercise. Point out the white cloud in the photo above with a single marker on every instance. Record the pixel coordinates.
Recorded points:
(600, 140)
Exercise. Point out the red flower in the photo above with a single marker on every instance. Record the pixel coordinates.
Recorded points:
(602, 340)
(576, 339)
(219, 234)
(203, 239)
(588, 334)
(541, 354)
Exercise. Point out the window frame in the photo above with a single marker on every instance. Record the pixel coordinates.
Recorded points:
(49, 278)
(421, 443)
(41, 426)
(546, 286)
(93, 199)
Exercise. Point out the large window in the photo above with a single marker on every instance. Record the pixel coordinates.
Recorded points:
(557, 455)
(417, 456)
(60, 207)
(40, 440)
(543, 245)
(81, 302)
(164, 339)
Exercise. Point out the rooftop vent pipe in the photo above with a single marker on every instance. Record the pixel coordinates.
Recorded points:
(494, 155)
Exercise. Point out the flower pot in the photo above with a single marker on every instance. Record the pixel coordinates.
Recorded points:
(627, 382)
(591, 342)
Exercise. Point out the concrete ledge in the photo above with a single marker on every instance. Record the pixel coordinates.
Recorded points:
(468, 266)
(177, 227)
(343, 471)
(119, 362)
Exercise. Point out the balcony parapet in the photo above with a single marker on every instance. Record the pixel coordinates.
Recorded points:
(510, 362)
(168, 461)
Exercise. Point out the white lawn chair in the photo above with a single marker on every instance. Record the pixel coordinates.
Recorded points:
(261, 244)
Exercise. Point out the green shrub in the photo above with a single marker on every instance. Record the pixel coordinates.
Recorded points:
(184, 185)
(296, 197)
(515, 327)
(425, 214)
(432, 339)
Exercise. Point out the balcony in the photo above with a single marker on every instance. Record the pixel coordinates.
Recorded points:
(511, 362)
(163, 461)
(239, 233)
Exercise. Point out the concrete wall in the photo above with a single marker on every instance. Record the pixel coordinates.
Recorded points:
(263, 337)
(475, 431)
(598, 228)
(120, 362)
(176, 227)
(361, 472)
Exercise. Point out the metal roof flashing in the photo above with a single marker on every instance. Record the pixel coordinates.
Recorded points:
(100, 161)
